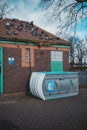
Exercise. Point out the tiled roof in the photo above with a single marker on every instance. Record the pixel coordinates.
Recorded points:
(15, 29)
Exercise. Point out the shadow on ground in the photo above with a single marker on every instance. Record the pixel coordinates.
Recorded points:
(7, 125)
(82, 126)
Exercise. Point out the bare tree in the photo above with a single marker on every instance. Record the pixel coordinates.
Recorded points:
(72, 54)
(4, 9)
(65, 12)
(81, 52)
(78, 52)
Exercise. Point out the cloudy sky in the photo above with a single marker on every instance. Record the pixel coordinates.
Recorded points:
(28, 10)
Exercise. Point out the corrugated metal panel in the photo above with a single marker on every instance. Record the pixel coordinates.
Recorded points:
(51, 85)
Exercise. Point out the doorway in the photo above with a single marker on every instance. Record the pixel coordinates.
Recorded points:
(56, 61)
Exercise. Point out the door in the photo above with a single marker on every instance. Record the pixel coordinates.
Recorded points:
(1, 70)
(56, 61)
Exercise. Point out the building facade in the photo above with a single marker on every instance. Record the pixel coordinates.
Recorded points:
(25, 48)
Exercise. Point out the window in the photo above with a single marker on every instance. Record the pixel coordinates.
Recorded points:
(27, 55)
(56, 56)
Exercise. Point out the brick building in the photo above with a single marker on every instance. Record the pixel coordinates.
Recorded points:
(25, 48)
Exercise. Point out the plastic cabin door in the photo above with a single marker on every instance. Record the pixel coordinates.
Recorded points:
(1, 70)
(56, 61)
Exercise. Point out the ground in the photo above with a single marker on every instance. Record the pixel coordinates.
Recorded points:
(29, 113)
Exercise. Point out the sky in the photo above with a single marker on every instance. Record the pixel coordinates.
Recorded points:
(28, 10)
(82, 28)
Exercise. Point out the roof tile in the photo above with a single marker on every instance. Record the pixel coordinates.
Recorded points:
(27, 31)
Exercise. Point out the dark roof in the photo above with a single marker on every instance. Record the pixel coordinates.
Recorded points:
(14, 29)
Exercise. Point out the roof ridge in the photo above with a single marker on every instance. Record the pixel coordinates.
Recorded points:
(3, 19)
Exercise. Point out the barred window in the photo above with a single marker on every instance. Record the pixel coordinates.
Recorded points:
(27, 55)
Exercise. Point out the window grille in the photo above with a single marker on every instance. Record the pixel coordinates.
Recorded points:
(27, 55)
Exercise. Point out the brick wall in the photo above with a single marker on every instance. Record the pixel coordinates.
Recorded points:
(42, 60)
(16, 77)
(66, 60)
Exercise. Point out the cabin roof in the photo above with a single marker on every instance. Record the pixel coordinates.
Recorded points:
(17, 30)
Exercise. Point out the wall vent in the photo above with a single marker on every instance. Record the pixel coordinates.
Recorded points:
(27, 55)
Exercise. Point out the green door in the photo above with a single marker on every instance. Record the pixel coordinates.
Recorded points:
(1, 70)
(56, 61)
(56, 66)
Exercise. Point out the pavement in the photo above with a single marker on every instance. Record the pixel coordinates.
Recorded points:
(26, 112)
